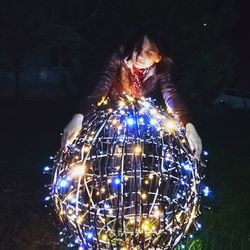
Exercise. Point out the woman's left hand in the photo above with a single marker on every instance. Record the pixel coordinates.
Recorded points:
(194, 140)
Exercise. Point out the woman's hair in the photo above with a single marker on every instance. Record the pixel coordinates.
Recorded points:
(157, 38)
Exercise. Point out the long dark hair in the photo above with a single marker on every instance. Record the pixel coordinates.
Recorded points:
(157, 37)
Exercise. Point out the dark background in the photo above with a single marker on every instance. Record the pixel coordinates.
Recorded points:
(51, 53)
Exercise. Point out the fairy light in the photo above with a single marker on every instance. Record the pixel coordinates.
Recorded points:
(137, 150)
(78, 171)
(170, 125)
(133, 169)
(130, 121)
(86, 149)
(151, 176)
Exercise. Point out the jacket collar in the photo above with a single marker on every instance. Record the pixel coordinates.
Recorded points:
(128, 63)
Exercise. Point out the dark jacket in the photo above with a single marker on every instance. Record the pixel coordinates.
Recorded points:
(117, 78)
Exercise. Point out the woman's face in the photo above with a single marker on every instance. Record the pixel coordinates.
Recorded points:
(148, 55)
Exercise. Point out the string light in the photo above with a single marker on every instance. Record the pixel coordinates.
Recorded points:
(135, 166)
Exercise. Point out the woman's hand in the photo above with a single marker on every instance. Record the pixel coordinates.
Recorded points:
(71, 131)
(194, 140)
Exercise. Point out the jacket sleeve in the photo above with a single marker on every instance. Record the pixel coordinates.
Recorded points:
(103, 87)
(173, 100)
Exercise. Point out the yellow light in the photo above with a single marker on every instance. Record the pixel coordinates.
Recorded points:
(137, 150)
(157, 213)
(183, 140)
(146, 226)
(104, 237)
(115, 121)
(102, 101)
(153, 111)
(131, 221)
(119, 150)
(76, 157)
(130, 98)
(102, 189)
(143, 196)
(97, 193)
(169, 110)
(62, 212)
(78, 171)
(110, 110)
(168, 155)
(170, 125)
(102, 220)
(122, 104)
(70, 196)
(125, 177)
(86, 149)
(79, 219)
(70, 211)
(146, 182)
(151, 176)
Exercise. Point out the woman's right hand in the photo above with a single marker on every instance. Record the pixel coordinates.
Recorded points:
(71, 131)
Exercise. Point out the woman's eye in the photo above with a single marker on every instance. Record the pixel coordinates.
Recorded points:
(149, 53)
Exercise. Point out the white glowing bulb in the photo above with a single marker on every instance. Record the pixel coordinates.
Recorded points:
(137, 150)
(170, 125)
(78, 171)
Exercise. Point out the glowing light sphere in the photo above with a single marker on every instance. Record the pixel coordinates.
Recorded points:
(127, 182)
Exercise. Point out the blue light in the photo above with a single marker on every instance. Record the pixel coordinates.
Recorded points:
(206, 191)
(117, 181)
(106, 206)
(63, 183)
(187, 166)
(130, 121)
(73, 201)
(205, 153)
(141, 120)
(89, 235)
(153, 122)
(46, 168)
(47, 198)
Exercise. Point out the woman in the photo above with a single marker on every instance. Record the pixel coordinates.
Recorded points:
(140, 68)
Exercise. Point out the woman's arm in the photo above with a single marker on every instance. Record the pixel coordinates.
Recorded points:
(103, 88)
(175, 103)
(173, 100)
(104, 85)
